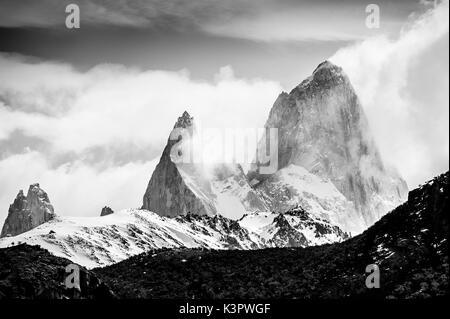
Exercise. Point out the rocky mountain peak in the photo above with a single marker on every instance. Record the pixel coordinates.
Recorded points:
(327, 72)
(326, 76)
(286, 235)
(329, 67)
(184, 121)
(19, 201)
(106, 211)
(36, 193)
(28, 212)
(178, 187)
(322, 127)
(168, 193)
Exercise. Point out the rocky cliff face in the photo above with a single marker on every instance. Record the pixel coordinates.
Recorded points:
(168, 193)
(178, 187)
(28, 212)
(322, 128)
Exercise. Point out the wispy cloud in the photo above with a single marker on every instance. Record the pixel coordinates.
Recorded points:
(403, 84)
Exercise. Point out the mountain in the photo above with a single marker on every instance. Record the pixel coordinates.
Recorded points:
(179, 185)
(106, 211)
(322, 129)
(409, 245)
(28, 212)
(328, 163)
(167, 192)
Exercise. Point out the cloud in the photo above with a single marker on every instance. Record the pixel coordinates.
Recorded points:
(98, 130)
(406, 103)
(112, 104)
(301, 21)
(262, 20)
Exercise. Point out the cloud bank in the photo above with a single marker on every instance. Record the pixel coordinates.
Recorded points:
(403, 85)
(92, 138)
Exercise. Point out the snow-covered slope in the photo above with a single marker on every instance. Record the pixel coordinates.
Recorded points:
(294, 186)
(100, 241)
(229, 190)
(293, 228)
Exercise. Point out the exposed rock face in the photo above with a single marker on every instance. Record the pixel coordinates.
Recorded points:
(28, 212)
(322, 128)
(106, 211)
(167, 192)
(179, 188)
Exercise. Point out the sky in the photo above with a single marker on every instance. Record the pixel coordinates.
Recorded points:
(86, 112)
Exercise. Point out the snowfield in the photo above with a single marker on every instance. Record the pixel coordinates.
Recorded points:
(294, 185)
(100, 241)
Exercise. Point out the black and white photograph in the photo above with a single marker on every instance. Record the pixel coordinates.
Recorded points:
(212, 150)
